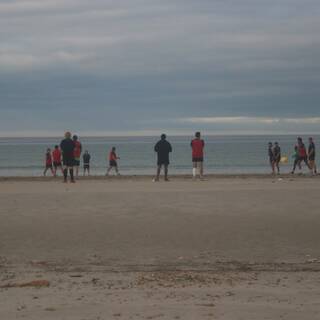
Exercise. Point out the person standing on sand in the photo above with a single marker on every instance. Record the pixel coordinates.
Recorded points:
(296, 160)
(67, 147)
(303, 156)
(113, 163)
(48, 162)
(86, 163)
(162, 148)
(270, 155)
(56, 156)
(77, 153)
(197, 145)
(277, 156)
(312, 156)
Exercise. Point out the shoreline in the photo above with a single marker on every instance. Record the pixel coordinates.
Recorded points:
(144, 177)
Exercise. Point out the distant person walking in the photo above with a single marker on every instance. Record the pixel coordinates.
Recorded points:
(312, 156)
(67, 147)
(163, 149)
(277, 156)
(271, 157)
(303, 155)
(197, 145)
(56, 156)
(48, 162)
(77, 153)
(86, 162)
(296, 159)
(113, 161)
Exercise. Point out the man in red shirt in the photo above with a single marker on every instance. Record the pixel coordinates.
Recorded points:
(113, 161)
(197, 145)
(48, 163)
(56, 156)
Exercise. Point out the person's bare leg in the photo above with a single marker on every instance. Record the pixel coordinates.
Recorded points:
(201, 170)
(166, 172)
(158, 173)
(108, 171)
(45, 171)
(71, 174)
(278, 167)
(117, 170)
(65, 174)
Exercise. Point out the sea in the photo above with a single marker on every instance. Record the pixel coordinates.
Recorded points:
(223, 154)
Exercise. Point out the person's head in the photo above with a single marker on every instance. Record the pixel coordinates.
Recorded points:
(270, 144)
(67, 135)
(197, 135)
(48, 150)
(295, 148)
(163, 137)
(56, 147)
(299, 139)
(75, 138)
(113, 149)
(86, 152)
(276, 144)
(310, 140)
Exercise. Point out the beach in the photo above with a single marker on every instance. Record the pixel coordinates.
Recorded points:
(230, 247)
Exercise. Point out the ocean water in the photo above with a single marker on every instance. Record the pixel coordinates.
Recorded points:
(223, 154)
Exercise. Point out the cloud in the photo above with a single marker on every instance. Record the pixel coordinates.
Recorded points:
(248, 120)
(113, 61)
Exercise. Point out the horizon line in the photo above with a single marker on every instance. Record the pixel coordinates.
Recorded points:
(210, 134)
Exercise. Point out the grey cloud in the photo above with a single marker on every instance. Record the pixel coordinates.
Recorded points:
(116, 60)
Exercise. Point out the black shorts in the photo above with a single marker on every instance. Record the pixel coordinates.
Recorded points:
(312, 158)
(163, 163)
(197, 159)
(48, 166)
(76, 162)
(113, 163)
(68, 161)
(86, 166)
(57, 164)
(305, 159)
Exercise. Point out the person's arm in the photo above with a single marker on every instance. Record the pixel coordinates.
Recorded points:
(80, 147)
(156, 147)
(170, 147)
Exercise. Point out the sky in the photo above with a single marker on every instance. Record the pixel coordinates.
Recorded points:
(142, 67)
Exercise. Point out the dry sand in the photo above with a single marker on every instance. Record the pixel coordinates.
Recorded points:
(225, 248)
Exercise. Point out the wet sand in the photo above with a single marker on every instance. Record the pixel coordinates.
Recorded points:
(226, 248)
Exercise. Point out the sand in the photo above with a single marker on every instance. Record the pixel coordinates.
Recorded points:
(226, 248)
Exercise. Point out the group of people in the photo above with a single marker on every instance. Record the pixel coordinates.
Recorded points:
(301, 155)
(163, 148)
(66, 158)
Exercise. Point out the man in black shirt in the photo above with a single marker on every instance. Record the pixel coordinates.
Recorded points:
(163, 148)
(67, 147)
(86, 162)
(312, 156)
(277, 156)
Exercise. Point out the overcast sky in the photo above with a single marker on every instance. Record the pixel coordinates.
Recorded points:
(146, 67)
